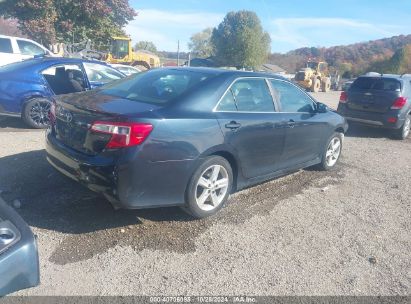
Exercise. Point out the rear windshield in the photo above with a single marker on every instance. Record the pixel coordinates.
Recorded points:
(156, 86)
(376, 83)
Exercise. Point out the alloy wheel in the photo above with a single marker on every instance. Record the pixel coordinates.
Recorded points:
(212, 187)
(39, 113)
(333, 152)
(406, 128)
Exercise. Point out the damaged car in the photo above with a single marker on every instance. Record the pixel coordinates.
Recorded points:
(27, 87)
(189, 137)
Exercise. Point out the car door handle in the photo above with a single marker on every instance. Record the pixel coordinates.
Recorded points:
(291, 124)
(233, 125)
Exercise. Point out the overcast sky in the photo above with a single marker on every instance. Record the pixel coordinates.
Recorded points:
(291, 23)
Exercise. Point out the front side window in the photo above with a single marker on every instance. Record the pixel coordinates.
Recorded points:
(291, 98)
(28, 48)
(101, 73)
(5, 46)
(252, 95)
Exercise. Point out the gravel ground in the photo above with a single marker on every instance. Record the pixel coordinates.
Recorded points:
(345, 232)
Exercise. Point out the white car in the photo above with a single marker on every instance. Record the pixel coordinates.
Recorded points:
(14, 49)
(126, 69)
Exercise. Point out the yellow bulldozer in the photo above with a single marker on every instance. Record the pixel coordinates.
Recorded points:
(314, 77)
(121, 52)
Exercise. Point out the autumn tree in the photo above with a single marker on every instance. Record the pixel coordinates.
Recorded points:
(200, 43)
(241, 41)
(146, 45)
(50, 21)
(9, 27)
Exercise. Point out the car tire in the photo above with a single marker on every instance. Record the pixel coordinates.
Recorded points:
(36, 113)
(332, 152)
(209, 187)
(326, 85)
(403, 132)
(316, 85)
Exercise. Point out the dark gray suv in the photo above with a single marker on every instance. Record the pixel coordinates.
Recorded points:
(382, 101)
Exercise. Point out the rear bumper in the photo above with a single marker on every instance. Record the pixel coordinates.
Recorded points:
(372, 119)
(125, 178)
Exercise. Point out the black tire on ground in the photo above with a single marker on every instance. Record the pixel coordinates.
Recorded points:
(36, 113)
(325, 165)
(142, 65)
(195, 191)
(403, 132)
(316, 85)
(326, 85)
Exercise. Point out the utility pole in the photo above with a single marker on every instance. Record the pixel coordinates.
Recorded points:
(178, 53)
(189, 59)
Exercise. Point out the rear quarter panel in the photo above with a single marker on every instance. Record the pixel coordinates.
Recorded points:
(182, 139)
(16, 89)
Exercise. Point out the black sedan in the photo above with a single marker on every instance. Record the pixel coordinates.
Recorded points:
(189, 136)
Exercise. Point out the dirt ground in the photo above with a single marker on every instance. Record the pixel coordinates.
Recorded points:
(345, 232)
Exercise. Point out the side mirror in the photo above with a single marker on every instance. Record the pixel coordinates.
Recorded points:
(321, 108)
(19, 260)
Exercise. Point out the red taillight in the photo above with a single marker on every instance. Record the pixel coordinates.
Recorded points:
(392, 119)
(399, 103)
(343, 97)
(123, 134)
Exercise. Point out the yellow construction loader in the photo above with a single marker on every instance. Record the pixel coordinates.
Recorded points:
(121, 52)
(314, 77)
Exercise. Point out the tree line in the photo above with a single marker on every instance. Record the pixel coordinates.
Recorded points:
(239, 40)
(348, 60)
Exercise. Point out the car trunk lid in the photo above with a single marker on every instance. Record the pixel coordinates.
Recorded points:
(75, 114)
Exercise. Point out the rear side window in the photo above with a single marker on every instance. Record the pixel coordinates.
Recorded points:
(65, 79)
(5, 46)
(227, 103)
(101, 73)
(28, 48)
(252, 95)
(375, 83)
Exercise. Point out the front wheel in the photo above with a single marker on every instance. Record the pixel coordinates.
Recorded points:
(326, 85)
(316, 85)
(36, 113)
(332, 152)
(209, 187)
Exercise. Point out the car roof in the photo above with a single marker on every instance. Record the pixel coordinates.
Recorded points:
(66, 60)
(118, 65)
(391, 76)
(5, 36)
(233, 73)
(44, 61)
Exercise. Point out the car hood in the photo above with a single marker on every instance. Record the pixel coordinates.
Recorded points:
(101, 103)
